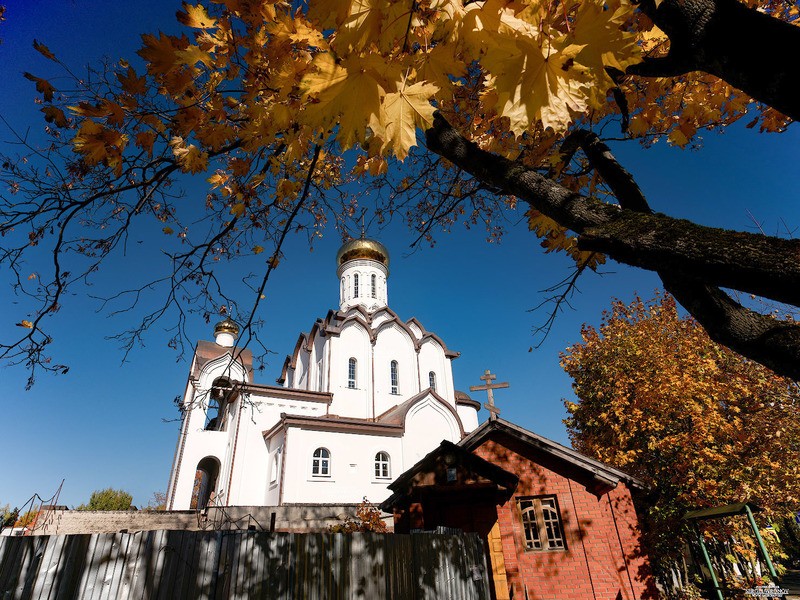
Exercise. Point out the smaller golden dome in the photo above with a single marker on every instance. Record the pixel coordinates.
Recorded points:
(227, 326)
(362, 248)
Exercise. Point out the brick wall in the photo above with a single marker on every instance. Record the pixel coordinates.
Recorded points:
(300, 518)
(602, 559)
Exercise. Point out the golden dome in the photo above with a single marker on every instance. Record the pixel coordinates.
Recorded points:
(364, 249)
(227, 326)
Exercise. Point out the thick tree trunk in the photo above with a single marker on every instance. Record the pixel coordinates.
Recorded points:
(752, 263)
(747, 48)
(693, 261)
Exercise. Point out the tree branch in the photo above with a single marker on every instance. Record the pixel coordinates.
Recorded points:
(753, 263)
(693, 261)
(729, 40)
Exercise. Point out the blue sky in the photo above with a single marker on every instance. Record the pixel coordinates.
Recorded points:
(101, 425)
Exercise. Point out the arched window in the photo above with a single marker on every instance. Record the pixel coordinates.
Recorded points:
(218, 398)
(355, 285)
(393, 376)
(351, 373)
(382, 465)
(432, 380)
(205, 483)
(374, 286)
(276, 466)
(321, 463)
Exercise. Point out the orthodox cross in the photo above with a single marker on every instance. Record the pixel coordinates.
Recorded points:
(489, 386)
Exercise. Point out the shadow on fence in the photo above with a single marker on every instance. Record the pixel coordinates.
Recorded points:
(243, 564)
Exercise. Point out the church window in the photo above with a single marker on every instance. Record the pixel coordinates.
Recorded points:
(382, 466)
(394, 377)
(321, 463)
(218, 399)
(355, 285)
(276, 465)
(374, 286)
(205, 483)
(351, 374)
(432, 380)
(541, 523)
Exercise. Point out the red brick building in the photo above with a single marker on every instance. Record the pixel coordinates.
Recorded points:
(558, 525)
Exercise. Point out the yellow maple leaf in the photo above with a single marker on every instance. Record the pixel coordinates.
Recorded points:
(193, 55)
(328, 13)
(351, 96)
(257, 249)
(159, 52)
(188, 156)
(439, 64)
(25, 323)
(196, 16)
(131, 82)
(237, 210)
(362, 25)
(403, 111)
(145, 141)
(168, 230)
(536, 83)
(598, 28)
(89, 142)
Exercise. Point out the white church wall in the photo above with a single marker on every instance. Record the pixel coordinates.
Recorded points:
(393, 343)
(352, 467)
(352, 342)
(432, 358)
(275, 449)
(427, 424)
(319, 379)
(298, 380)
(199, 445)
(468, 416)
(251, 463)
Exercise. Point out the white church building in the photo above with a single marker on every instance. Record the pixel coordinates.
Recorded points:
(363, 397)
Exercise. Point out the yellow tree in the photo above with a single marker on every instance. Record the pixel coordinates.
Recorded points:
(700, 424)
(280, 105)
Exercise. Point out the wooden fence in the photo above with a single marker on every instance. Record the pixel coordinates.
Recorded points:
(174, 565)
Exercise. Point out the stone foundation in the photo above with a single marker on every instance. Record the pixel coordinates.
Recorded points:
(297, 518)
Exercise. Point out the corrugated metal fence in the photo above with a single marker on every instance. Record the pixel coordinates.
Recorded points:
(175, 565)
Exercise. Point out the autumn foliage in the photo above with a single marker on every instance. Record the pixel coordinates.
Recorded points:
(281, 106)
(367, 518)
(698, 423)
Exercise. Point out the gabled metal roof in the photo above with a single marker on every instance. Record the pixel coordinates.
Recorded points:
(596, 468)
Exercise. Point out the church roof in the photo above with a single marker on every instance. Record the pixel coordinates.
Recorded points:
(336, 320)
(397, 414)
(430, 472)
(362, 248)
(334, 423)
(602, 473)
(466, 400)
(205, 352)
